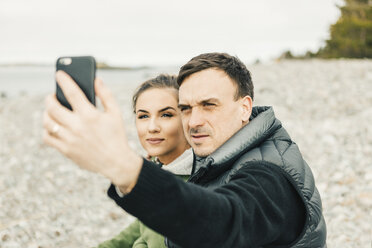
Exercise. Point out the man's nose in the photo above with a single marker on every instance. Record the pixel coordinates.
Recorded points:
(197, 118)
(153, 126)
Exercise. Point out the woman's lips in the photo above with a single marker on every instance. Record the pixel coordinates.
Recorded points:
(154, 141)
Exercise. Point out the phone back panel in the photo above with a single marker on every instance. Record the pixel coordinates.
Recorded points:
(83, 71)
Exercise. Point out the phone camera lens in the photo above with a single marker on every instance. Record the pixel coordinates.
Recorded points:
(65, 61)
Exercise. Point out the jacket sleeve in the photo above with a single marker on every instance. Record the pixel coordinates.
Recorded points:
(124, 239)
(253, 209)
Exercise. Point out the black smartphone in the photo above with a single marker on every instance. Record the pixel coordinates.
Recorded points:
(83, 71)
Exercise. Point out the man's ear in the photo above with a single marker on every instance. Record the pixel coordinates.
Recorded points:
(246, 105)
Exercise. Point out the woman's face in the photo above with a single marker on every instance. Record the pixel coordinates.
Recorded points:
(158, 123)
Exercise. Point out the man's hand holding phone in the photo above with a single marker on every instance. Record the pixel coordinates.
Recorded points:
(93, 139)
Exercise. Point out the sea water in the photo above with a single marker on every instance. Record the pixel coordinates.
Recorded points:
(39, 80)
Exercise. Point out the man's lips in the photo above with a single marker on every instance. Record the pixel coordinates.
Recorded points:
(199, 137)
(154, 141)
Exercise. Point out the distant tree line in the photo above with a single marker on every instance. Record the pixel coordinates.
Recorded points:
(350, 36)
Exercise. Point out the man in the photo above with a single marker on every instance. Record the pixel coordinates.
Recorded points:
(250, 185)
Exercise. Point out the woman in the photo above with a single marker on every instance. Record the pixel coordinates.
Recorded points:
(160, 132)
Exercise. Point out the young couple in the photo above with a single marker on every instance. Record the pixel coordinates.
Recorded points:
(249, 184)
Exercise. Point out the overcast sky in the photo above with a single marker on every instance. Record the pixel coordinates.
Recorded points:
(160, 32)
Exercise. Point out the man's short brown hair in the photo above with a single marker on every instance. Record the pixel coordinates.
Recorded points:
(231, 65)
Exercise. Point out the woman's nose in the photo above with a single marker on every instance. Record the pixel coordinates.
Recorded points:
(153, 126)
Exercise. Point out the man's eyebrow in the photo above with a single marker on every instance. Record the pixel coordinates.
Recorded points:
(209, 100)
(183, 105)
(166, 108)
(214, 100)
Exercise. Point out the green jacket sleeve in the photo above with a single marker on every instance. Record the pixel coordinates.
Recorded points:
(125, 239)
(149, 238)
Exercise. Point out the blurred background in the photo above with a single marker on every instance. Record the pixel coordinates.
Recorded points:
(310, 60)
(163, 32)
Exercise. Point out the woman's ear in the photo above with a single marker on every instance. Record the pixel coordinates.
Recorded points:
(246, 105)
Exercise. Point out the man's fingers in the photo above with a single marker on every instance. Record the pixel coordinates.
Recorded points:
(106, 97)
(53, 128)
(53, 141)
(74, 95)
(57, 112)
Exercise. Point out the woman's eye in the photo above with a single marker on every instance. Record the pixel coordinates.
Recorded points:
(142, 116)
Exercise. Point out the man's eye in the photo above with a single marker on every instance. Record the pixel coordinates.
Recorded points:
(208, 104)
(168, 115)
(142, 116)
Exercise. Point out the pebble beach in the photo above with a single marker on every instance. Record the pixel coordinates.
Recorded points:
(325, 105)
